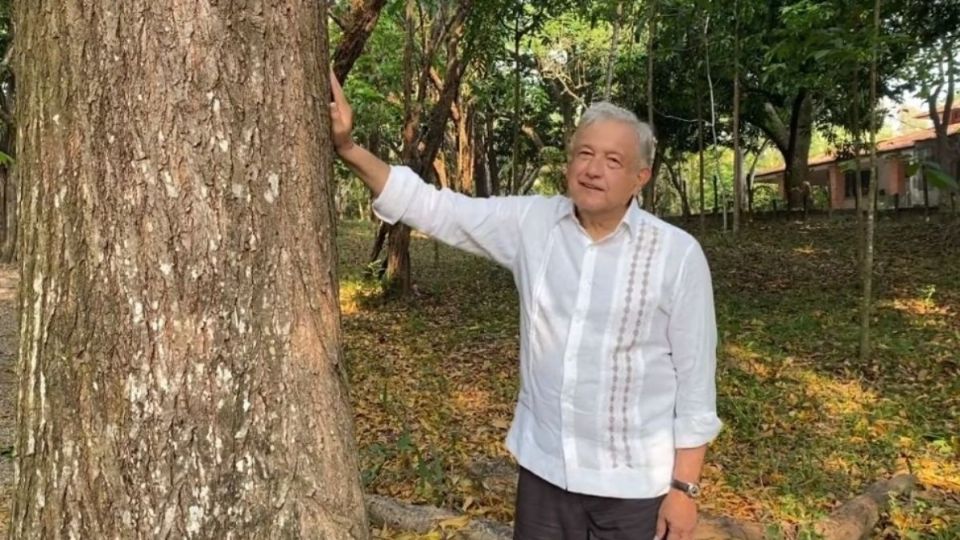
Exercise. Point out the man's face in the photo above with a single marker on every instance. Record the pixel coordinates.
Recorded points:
(604, 171)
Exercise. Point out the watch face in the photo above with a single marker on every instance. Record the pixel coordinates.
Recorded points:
(693, 490)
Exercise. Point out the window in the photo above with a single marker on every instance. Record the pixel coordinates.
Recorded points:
(850, 183)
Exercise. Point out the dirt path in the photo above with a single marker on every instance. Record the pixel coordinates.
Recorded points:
(8, 387)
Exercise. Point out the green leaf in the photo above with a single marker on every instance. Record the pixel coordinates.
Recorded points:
(939, 178)
(6, 159)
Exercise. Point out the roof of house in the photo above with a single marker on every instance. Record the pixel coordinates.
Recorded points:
(900, 142)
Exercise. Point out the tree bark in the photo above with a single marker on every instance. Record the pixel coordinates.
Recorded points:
(866, 310)
(180, 346)
(737, 153)
(792, 140)
(700, 164)
(614, 43)
(680, 185)
(363, 20)
(465, 146)
(650, 190)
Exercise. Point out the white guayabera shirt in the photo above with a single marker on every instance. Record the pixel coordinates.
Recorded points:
(618, 336)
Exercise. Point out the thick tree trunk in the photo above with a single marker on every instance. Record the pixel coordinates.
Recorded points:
(793, 141)
(179, 354)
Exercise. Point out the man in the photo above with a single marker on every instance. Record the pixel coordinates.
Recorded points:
(618, 337)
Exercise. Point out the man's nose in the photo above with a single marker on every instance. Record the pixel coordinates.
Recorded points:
(595, 166)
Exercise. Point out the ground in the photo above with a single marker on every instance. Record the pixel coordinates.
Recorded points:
(808, 425)
(8, 387)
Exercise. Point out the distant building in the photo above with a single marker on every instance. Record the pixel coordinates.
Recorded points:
(896, 188)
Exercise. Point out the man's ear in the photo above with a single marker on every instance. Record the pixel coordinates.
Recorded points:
(642, 178)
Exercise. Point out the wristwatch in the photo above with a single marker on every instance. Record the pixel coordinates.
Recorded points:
(691, 489)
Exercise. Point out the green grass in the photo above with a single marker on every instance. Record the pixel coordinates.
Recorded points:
(808, 425)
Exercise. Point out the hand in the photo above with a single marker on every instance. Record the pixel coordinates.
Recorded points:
(341, 117)
(678, 517)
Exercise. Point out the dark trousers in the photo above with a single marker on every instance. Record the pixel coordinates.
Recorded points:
(547, 512)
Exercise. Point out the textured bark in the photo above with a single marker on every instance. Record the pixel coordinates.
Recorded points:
(856, 518)
(363, 20)
(866, 271)
(793, 141)
(179, 354)
(8, 251)
(465, 146)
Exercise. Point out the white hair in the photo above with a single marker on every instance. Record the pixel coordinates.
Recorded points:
(604, 110)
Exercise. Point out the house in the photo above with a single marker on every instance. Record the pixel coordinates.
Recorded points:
(836, 177)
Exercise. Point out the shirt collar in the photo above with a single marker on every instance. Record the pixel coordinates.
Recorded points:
(632, 219)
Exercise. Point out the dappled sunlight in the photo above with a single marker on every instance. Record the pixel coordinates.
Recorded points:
(917, 307)
(837, 397)
(809, 250)
(746, 360)
(471, 400)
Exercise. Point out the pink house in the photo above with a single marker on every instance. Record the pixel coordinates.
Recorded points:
(896, 188)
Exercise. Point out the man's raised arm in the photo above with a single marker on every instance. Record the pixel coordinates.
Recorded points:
(371, 169)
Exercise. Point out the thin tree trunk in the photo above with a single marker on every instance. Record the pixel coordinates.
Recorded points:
(737, 154)
(700, 167)
(650, 190)
(9, 250)
(867, 273)
(857, 150)
(517, 112)
(179, 361)
(614, 45)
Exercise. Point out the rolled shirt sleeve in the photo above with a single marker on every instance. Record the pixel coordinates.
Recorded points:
(489, 227)
(692, 332)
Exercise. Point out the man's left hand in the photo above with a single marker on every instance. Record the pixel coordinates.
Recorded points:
(678, 517)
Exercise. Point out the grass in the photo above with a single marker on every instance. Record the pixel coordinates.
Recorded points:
(808, 425)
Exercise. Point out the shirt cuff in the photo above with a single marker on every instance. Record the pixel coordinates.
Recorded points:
(694, 431)
(397, 194)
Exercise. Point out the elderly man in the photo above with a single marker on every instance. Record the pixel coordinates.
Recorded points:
(618, 337)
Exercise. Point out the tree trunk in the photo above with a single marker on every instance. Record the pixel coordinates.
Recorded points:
(517, 111)
(612, 59)
(8, 251)
(680, 185)
(179, 358)
(866, 310)
(700, 165)
(363, 20)
(793, 141)
(737, 153)
(465, 147)
(650, 190)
